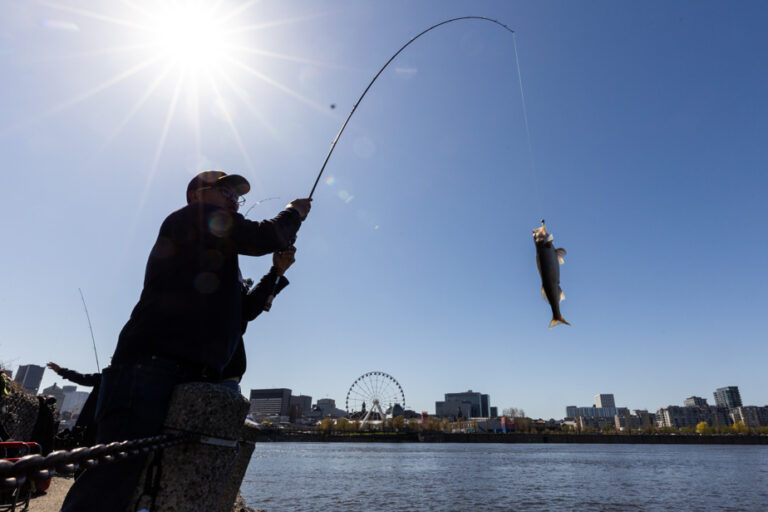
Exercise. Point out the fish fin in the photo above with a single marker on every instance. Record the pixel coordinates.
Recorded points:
(544, 295)
(560, 255)
(562, 294)
(556, 321)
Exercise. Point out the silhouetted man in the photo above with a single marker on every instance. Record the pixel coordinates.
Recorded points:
(185, 327)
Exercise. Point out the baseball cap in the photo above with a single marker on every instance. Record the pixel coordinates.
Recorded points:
(218, 178)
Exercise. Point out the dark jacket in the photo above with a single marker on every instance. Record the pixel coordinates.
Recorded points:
(84, 379)
(190, 308)
(254, 300)
(87, 413)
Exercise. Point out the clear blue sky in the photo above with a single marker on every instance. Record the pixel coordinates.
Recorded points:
(648, 124)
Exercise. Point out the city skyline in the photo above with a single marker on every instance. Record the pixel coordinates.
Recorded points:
(489, 403)
(640, 140)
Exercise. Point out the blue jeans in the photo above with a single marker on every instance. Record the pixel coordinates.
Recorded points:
(132, 404)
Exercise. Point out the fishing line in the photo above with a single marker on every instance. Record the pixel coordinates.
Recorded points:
(257, 203)
(93, 339)
(525, 122)
(357, 103)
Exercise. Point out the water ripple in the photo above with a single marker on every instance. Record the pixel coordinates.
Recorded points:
(504, 477)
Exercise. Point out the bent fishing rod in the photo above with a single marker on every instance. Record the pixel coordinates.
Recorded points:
(357, 103)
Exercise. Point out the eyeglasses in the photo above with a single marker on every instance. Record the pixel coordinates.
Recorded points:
(228, 194)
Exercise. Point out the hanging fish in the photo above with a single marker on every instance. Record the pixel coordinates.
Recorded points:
(548, 261)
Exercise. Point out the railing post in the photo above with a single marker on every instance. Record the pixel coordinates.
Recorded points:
(199, 475)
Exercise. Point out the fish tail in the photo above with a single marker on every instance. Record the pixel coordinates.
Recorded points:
(556, 321)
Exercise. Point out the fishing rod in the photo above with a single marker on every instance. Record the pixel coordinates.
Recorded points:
(93, 339)
(357, 103)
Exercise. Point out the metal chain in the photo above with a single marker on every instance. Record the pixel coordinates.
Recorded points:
(38, 467)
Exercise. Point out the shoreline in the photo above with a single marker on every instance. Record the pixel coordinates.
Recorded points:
(552, 438)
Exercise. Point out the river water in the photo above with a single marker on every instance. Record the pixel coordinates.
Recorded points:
(484, 477)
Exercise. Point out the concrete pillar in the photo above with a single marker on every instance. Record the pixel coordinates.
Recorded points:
(200, 476)
(248, 436)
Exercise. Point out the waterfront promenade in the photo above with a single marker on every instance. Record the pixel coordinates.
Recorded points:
(54, 496)
(51, 501)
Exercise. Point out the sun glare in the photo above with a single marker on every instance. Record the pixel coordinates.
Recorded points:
(203, 51)
(190, 37)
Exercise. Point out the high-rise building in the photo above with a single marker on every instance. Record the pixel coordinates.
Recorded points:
(479, 404)
(303, 402)
(453, 409)
(751, 415)
(728, 397)
(605, 400)
(695, 401)
(676, 416)
(29, 377)
(270, 402)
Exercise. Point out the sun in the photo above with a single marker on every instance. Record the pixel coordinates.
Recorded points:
(191, 53)
(191, 36)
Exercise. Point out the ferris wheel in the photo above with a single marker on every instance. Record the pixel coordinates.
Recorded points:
(373, 392)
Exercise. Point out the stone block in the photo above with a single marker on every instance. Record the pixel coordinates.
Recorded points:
(199, 476)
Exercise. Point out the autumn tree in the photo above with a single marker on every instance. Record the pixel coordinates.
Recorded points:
(325, 426)
(741, 428)
(342, 425)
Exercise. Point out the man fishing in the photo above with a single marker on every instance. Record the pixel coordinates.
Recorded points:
(85, 420)
(185, 327)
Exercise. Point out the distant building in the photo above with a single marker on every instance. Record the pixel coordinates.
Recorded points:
(605, 407)
(752, 415)
(29, 377)
(647, 419)
(695, 401)
(728, 397)
(453, 409)
(572, 411)
(678, 417)
(494, 412)
(638, 419)
(303, 403)
(73, 400)
(56, 392)
(479, 405)
(605, 400)
(270, 402)
(596, 422)
(327, 407)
